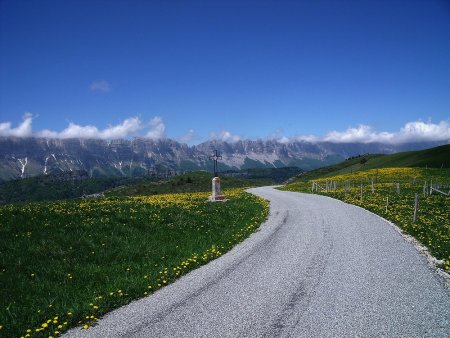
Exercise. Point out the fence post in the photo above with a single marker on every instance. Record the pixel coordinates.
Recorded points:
(416, 204)
(361, 192)
(373, 190)
(387, 203)
(398, 188)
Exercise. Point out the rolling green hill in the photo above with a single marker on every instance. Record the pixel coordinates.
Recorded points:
(192, 182)
(49, 188)
(438, 157)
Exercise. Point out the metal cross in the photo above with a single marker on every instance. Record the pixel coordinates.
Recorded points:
(216, 156)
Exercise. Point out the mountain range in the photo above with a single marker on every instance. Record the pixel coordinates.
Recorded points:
(25, 157)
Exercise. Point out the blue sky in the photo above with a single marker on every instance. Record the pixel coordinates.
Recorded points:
(193, 70)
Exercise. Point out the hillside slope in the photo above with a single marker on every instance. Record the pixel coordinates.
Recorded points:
(48, 188)
(190, 182)
(437, 157)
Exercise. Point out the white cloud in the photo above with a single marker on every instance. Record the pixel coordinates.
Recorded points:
(48, 134)
(122, 130)
(225, 136)
(417, 131)
(22, 130)
(158, 129)
(362, 133)
(100, 86)
(189, 136)
(128, 127)
(283, 140)
(423, 131)
(308, 138)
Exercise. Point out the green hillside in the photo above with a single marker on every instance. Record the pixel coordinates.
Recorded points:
(438, 157)
(49, 188)
(432, 158)
(191, 182)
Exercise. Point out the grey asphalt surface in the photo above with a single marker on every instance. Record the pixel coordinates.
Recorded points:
(317, 268)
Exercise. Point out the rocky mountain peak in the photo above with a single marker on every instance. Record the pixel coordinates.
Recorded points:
(24, 157)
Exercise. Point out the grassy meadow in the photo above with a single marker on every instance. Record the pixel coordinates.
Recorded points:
(432, 226)
(49, 188)
(191, 182)
(437, 157)
(66, 263)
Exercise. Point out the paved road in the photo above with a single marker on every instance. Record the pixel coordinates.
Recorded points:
(316, 268)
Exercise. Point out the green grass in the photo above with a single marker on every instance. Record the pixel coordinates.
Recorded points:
(336, 169)
(311, 163)
(432, 158)
(66, 263)
(432, 227)
(272, 175)
(191, 182)
(49, 188)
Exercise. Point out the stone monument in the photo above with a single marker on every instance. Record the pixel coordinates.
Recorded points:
(216, 195)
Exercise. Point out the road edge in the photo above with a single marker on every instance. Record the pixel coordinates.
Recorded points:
(432, 262)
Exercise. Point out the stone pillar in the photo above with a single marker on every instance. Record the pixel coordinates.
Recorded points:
(216, 191)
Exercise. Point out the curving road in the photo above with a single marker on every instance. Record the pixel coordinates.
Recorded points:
(317, 268)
